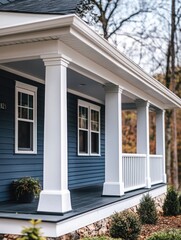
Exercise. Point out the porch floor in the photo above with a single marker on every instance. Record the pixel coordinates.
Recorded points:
(83, 200)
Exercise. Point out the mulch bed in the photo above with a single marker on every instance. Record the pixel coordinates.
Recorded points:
(164, 223)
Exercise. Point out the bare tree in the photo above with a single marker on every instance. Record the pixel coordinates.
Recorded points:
(109, 16)
(149, 32)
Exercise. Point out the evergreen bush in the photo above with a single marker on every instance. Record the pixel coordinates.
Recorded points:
(125, 225)
(33, 232)
(166, 235)
(171, 205)
(147, 210)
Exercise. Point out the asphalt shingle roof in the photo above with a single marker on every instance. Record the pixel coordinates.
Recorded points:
(40, 6)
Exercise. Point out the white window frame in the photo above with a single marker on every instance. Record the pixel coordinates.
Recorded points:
(90, 107)
(31, 90)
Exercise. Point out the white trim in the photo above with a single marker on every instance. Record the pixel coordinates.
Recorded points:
(31, 90)
(90, 107)
(26, 87)
(21, 74)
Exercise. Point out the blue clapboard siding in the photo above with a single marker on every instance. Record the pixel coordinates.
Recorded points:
(13, 166)
(83, 171)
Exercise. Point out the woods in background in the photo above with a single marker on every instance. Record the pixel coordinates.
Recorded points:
(149, 32)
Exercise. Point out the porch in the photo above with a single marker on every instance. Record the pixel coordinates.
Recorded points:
(88, 206)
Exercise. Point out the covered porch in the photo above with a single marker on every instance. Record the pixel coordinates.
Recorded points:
(66, 63)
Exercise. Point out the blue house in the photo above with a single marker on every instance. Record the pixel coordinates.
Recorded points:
(62, 91)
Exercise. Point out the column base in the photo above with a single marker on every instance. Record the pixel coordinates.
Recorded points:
(113, 189)
(54, 201)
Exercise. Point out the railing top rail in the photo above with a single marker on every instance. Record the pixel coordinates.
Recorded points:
(133, 155)
(156, 156)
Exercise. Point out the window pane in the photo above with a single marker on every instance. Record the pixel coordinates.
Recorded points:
(94, 143)
(25, 135)
(94, 120)
(24, 99)
(31, 114)
(24, 113)
(83, 141)
(19, 112)
(30, 101)
(83, 117)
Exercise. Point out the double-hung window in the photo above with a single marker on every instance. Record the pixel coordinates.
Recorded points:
(88, 128)
(26, 118)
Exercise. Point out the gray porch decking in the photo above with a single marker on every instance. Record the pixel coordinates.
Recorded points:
(83, 200)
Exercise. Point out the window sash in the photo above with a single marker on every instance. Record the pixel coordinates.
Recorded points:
(26, 119)
(92, 128)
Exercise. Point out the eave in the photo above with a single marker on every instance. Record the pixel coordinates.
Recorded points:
(77, 35)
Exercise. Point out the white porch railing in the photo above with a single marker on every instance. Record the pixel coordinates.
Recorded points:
(156, 169)
(134, 171)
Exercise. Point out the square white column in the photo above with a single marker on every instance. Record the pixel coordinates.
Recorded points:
(143, 143)
(55, 196)
(160, 139)
(113, 185)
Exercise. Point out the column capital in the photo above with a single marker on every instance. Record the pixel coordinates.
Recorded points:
(142, 103)
(55, 60)
(112, 88)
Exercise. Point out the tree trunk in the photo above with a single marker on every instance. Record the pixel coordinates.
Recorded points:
(173, 80)
(168, 152)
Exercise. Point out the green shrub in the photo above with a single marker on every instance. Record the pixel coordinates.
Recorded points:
(171, 205)
(125, 225)
(32, 233)
(147, 210)
(166, 235)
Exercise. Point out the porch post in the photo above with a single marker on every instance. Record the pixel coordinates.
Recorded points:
(113, 185)
(55, 196)
(143, 145)
(160, 139)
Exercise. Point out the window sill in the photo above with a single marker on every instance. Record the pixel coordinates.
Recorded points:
(25, 152)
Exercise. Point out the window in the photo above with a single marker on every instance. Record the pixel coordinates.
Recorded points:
(26, 118)
(88, 128)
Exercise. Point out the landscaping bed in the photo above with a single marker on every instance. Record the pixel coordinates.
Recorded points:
(164, 223)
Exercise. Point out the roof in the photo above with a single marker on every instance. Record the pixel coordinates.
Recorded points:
(40, 6)
(88, 53)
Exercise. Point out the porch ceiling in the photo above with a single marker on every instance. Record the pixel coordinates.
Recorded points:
(76, 81)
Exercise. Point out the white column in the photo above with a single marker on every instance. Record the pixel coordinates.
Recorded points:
(55, 196)
(143, 144)
(160, 139)
(113, 185)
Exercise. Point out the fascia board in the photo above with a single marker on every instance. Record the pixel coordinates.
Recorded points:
(56, 22)
(15, 18)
